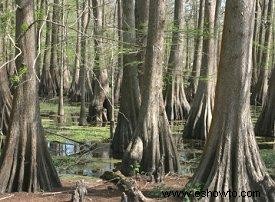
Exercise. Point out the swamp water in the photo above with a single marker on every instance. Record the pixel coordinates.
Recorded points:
(94, 158)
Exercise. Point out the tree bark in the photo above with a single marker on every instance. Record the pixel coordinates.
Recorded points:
(54, 61)
(177, 106)
(141, 18)
(74, 91)
(265, 125)
(119, 70)
(255, 45)
(130, 95)
(5, 93)
(83, 72)
(5, 101)
(194, 79)
(62, 67)
(200, 116)
(47, 86)
(231, 159)
(152, 137)
(264, 8)
(101, 84)
(26, 164)
(260, 91)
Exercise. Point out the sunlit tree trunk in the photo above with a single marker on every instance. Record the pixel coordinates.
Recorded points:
(26, 164)
(5, 93)
(130, 97)
(119, 70)
(177, 106)
(55, 61)
(74, 91)
(100, 81)
(152, 137)
(194, 78)
(141, 17)
(200, 116)
(83, 72)
(47, 87)
(259, 92)
(231, 159)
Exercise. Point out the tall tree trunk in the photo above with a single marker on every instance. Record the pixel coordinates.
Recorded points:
(260, 91)
(231, 159)
(26, 164)
(101, 84)
(152, 146)
(40, 15)
(194, 79)
(5, 93)
(63, 34)
(55, 61)
(83, 72)
(265, 125)
(200, 116)
(177, 106)
(130, 97)
(141, 17)
(47, 87)
(264, 8)
(119, 70)
(255, 45)
(5, 102)
(74, 91)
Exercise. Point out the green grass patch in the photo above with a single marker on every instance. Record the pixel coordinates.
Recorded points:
(74, 132)
(51, 107)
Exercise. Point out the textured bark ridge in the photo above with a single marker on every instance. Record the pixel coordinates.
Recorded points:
(100, 82)
(130, 98)
(85, 20)
(259, 92)
(47, 87)
(54, 61)
(200, 116)
(152, 137)
(5, 93)
(141, 17)
(231, 159)
(5, 102)
(74, 91)
(177, 106)
(194, 79)
(26, 163)
(265, 125)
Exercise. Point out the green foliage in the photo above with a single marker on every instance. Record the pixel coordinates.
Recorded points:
(135, 168)
(39, 14)
(16, 78)
(5, 17)
(24, 27)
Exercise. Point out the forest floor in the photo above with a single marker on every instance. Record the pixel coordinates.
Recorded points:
(100, 190)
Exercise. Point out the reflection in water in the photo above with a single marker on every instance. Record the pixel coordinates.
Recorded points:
(60, 149)
(98, 159)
